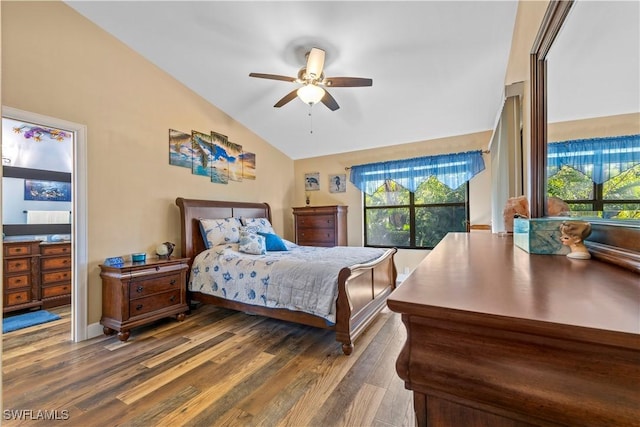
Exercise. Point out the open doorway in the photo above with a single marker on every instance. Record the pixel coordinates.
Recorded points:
(43, 220)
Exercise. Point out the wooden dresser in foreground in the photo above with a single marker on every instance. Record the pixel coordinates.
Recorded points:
(138, 293)
(498, 337)
(321, 225)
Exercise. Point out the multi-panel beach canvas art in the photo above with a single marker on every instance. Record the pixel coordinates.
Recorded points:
(180, 151)
(220, 166)
(211, 154)
(248, 165)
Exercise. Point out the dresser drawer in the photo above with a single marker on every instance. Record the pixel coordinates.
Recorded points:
(154, 302)
(54, 291)
(55, 263)
(21, 281)
(144, 288)
(309, 236)
(55, 249)
(317, 221)
(56, 276)
(18, 249)
(17, 265)
(15, 298)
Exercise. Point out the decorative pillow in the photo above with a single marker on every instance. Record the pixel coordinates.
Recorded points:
(251, 243)
(263, 224)
(274, 242)
(253, 229)
(219, 231)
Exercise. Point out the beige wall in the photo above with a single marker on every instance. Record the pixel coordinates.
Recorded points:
(57, 63)
(480, 209)
(623, 124)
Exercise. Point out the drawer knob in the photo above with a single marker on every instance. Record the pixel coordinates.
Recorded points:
(173, 298)
(173, 282)
(18, 280)
(65, 261)
(18, 249)
(139, 307)
(18, 296)
(139, 289)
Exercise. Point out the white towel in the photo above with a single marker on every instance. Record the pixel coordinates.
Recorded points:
(48, 217)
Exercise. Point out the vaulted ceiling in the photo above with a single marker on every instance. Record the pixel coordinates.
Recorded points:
(438, 67)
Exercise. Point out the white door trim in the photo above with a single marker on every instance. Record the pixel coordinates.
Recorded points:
(79, 215)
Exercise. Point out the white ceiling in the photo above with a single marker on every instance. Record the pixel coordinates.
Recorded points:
(438, 68)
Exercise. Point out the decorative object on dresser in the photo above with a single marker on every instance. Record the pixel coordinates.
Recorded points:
(55, 274)
(573, 235)
(321, 225)
(164, 250)
(21, 275)
(135, 294)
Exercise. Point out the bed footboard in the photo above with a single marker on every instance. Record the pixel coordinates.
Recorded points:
(362, 293)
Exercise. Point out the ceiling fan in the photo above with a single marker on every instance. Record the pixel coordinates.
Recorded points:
(312, 79)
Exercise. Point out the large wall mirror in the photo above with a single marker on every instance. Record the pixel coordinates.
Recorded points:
(585, 81)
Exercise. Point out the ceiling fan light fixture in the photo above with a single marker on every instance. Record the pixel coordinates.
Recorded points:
(310, 94)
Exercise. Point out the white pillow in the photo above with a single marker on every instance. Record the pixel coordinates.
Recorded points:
(263, 224)
(220, 231)
(251, 243)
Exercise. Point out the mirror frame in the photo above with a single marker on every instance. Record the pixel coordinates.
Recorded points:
(610, 241)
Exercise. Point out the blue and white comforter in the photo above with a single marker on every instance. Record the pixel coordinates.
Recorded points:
(304, 278)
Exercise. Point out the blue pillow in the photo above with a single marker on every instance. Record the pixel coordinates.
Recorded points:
(274, 242)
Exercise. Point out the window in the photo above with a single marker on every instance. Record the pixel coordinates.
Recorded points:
(597, 177)
(616, 198)
(395, 216)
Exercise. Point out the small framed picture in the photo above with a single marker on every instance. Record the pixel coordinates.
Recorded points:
(338, 183)
(312, 181)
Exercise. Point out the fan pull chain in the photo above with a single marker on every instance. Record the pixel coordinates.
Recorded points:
(310, 118)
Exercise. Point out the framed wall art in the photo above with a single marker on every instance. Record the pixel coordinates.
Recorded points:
(338, 183)
(312, 181)
(50, 191)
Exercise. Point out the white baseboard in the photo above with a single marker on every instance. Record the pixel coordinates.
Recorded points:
(94, 330)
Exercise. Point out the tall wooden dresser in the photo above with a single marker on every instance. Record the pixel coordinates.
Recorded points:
(20, 278)
(55, 274)
(321, 225)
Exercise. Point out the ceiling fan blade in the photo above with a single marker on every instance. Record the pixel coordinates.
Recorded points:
(315, 62)
(329, 101)
(273, 77)
(288, 97)
(347, 82)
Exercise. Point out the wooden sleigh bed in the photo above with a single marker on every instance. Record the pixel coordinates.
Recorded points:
(362, 288)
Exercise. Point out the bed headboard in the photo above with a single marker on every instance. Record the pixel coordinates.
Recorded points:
(191, 211)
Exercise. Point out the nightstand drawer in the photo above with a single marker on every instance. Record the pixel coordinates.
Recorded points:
(17, 265)
(54, 291)
(154, 302)
(318, 221)
(14, 282)
(15, 298)
(143, 288)
(54, 263)
(17, 250)
(55, 249)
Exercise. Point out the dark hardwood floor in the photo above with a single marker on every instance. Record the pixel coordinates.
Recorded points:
(217, 368)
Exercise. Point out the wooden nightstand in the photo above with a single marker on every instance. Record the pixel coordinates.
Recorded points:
(138, 293)
(321, 226)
